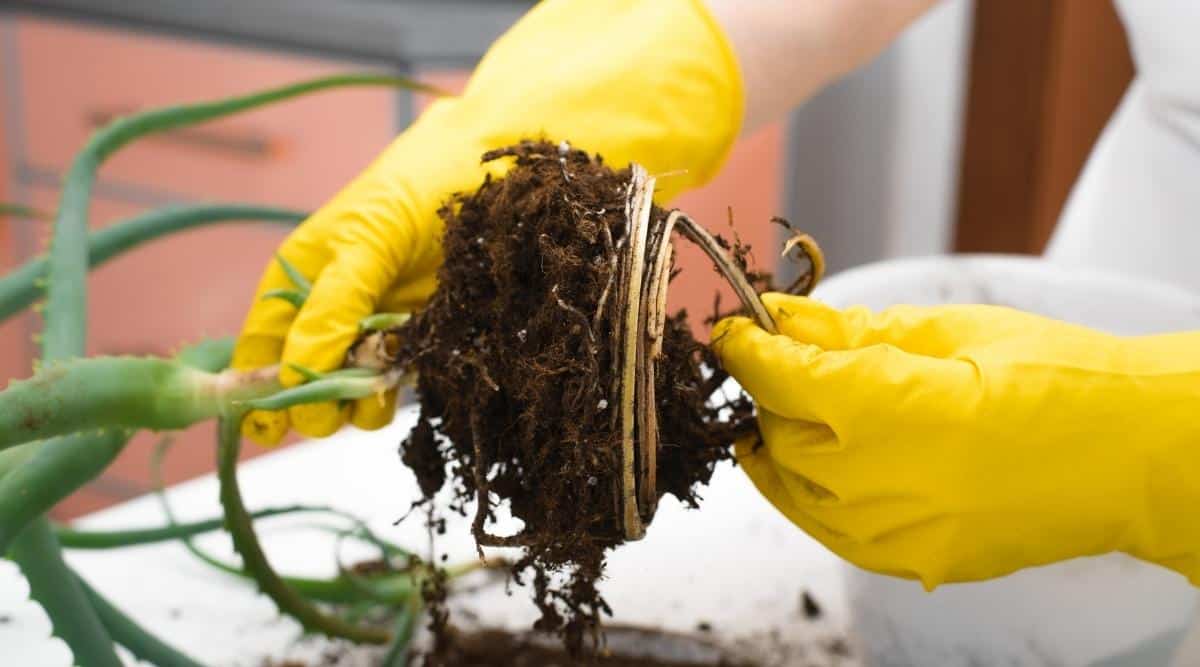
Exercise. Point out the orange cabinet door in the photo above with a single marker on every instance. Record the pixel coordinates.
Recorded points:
(748, 189)
(15, 345)
(294, 153)
(14, 352)
(199, 283)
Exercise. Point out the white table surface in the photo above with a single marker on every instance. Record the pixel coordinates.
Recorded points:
(736, 563)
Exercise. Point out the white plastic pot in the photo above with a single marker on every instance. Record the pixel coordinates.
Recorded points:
(1110, 610)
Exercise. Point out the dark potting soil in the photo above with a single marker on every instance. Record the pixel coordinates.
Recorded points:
(638, 648)
(516, 376)
(626, 646)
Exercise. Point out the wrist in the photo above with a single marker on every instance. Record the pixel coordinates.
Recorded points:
(790, 49)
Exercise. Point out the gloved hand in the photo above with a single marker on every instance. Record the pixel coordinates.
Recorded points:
(652, 81)
(960, 443)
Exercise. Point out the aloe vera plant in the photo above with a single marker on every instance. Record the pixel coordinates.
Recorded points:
(60, 428)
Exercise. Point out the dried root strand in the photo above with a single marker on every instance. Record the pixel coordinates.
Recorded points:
(376, 350)
(612, 275)
(654, 302)
(639, 209)
(733, 275)
(802, 245)
(633, 299)
(483, 498)
(641, 282)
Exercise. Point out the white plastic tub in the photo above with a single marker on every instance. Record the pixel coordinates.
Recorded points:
(736, 564)
(1109, 610)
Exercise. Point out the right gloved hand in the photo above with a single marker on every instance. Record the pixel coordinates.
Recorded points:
(651, 81)
(960, 443)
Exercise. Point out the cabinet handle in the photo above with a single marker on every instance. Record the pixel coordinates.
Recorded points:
(242, 144)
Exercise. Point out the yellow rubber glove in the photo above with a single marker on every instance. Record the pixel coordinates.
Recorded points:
(960, 443)
(652, 81)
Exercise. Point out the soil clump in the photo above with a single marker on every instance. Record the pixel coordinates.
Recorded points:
(517, 379)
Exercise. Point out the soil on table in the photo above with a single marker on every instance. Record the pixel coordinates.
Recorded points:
(517, 372)
(626, 646)
(634, 647)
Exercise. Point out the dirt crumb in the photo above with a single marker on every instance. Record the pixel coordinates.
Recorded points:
(809, 607)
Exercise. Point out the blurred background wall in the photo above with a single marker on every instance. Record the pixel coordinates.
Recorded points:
(966, 134)
(873, 160)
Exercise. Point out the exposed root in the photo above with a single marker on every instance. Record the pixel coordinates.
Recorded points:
(803, 245)
(552, 381)
(733, 275)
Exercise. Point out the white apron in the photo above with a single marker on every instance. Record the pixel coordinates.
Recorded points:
(1136, 206)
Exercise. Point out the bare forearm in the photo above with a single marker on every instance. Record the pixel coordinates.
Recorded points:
(789, 49)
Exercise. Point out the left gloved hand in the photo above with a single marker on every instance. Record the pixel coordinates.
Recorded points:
(960, 443)
(651, 81)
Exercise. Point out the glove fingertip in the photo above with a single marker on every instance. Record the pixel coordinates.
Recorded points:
(374, 412)
(264, 427)
(318, 420)
(723, 330)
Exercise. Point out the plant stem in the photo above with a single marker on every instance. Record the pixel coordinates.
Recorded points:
(121, 392)
(36, 476)
(52, 585)
(383, 321)
(159, 394)
(19, 288)
(211, 356)
(336, 591)
(733, 275)
(14, 457)
(391, 590)
(8, 209)
(406, 622)
(143, 645)
(245, 542)
(47, 478)
(334, 387)
(73, 538)
(36, 551)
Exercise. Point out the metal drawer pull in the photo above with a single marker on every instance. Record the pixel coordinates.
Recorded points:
(241, 144)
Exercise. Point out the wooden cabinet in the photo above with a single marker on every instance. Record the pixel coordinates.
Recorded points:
(198, 283)
(294, 153)
(1044, 79)
(14, 332)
